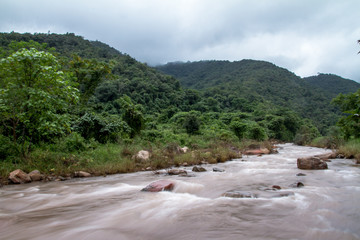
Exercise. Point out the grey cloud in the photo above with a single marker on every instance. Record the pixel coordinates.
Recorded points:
(304, 36)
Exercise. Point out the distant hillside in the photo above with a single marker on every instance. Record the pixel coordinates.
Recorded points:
(333, 84)
(145, 85)
(257, 81)
(65, 44)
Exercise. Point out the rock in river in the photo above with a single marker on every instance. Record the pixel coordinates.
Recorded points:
(158, 186)
(19, 176)
(36, 175)
(311, 163)
(82, 174)
(198, 169)
(176, 171)
(215, 169)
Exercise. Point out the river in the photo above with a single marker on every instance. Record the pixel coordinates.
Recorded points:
(113, 207)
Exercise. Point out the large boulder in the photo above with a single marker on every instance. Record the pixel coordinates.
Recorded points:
(36, 175)
(18, 176)
(311, 163)
(142, 156)
(160, 185)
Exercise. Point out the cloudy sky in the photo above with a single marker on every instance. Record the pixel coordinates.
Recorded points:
(304, 36)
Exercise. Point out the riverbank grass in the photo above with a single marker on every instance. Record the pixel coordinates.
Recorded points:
(351, 149)
(111, 158)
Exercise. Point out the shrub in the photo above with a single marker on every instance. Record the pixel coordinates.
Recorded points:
(192, 123)
(7, 147)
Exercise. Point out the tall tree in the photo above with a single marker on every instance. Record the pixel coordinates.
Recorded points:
(350, 105)
(34, 96)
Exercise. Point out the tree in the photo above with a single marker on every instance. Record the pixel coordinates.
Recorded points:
(132, 115)
(239, 128)
(89, 74)
(192, 123)
(350, 105)
(34, 96)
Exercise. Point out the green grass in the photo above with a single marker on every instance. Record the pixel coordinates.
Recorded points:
(351, 149)
(112, 158)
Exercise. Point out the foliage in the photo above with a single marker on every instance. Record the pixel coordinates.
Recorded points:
(351, 149)
(306, 134)
(101, 128)
(192, 123)
(35, 96)
(125, 106)
(244, 85)
(239, 129)
(350, 105)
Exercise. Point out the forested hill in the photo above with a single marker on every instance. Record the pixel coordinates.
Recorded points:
(104, 73)
(261, 81)
(65, 44)
(333, 84)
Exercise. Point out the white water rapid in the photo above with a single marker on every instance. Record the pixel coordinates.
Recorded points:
(113, 207)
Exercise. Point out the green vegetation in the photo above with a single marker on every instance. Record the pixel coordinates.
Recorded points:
(69, 104)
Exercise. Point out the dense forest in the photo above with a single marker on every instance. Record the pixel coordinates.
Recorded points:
(67, 103)
(263, 82)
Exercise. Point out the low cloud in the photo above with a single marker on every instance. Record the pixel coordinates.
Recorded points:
(305, 36)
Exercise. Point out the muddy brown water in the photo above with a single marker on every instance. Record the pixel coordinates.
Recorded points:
(113, 207)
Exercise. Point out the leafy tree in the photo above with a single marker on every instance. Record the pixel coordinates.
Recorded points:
(132, 115)
(239, 128)
(256, 132)
(350, 105)
(306, 133)
(101, 128)
(34, 96)
(89, 74)
(192, 123)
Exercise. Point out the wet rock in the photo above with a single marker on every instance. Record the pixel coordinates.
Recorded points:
(282, 194)
(60, 178)
(215, 169)
(297, 185)
(198, 169)
(301, 174)
(327, 156)
(239, 194)
(259, 151)
(148, 169)
(187, 175)
(18, 176)
(142, 156)
(176, 171)
(276, 187)
(36, 175)
(311, 163)
(82, 174)
(265, 193)
(160, 185)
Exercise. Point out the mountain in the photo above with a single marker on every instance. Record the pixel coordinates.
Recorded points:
(90, 59)
(260, 81)
(333, 84)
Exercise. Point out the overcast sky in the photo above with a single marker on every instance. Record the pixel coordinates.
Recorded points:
(304, 36)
